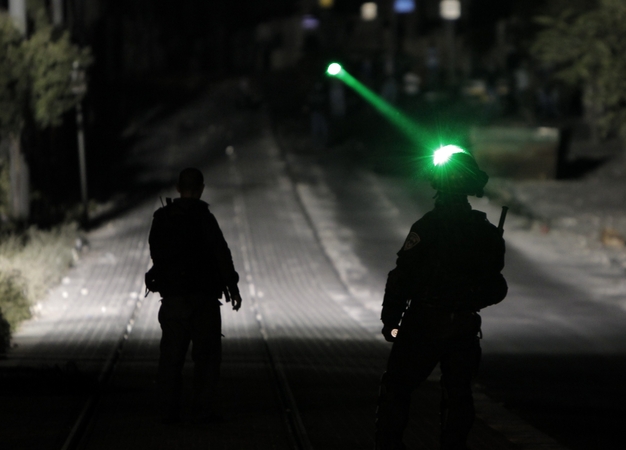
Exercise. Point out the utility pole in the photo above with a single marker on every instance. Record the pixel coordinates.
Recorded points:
(79, 88)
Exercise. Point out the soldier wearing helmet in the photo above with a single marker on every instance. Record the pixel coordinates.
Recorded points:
(447, 270)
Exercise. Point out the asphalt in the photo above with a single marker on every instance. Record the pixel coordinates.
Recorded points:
(302, 358)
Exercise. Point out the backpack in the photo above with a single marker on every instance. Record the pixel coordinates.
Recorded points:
(193, 262)
(458, 264)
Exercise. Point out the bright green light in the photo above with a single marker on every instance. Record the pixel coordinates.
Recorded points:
(443, 154)
(410, 128)
(419, 135)
(334, 69)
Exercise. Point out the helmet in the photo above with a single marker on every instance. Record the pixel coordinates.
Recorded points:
(455, 171)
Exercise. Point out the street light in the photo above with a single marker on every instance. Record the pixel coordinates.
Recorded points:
(79, 88)
(450, 11)
(404, 6)
(369, 11)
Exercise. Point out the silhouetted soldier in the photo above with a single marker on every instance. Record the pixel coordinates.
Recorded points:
(192, 268)
(447, 270)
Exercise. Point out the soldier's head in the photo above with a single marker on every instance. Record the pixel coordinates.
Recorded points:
(190, 183)
(455, 171)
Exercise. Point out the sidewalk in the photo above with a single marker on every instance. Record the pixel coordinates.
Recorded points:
(590, 209)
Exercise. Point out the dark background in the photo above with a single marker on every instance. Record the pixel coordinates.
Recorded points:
(164, 53)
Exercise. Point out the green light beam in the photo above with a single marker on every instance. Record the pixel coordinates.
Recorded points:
(438, 152)
(413, 131)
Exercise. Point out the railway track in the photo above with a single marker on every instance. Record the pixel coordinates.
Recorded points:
(294, 429)
(78, 438)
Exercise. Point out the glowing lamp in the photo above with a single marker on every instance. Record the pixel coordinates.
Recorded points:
(450, 9)
(369, 11)
(404, 6)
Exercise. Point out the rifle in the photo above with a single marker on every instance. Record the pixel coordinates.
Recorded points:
(505, 209)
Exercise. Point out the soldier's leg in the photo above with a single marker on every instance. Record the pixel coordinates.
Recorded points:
(410, 363)
(173, 348)
(206, 352)
(458, 366)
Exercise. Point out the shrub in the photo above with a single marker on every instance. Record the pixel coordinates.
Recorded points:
(30, 264)
(14, 302)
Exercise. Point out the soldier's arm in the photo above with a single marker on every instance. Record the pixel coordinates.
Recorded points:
(222, 252)
(394, 303)
(224, 259)
(398, 287)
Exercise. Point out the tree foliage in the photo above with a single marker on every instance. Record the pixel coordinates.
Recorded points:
(586, 45)
(50, 60)
(35, 73)
(13, 85)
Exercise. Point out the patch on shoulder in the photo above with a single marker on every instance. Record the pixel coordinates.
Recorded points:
(411, 241)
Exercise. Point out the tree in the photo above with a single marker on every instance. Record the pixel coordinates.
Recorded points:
(35, 81)
(50, 59)
(586, 45)
(13, 86)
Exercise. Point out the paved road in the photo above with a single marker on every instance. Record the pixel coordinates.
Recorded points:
(553, 350)
(304, 355)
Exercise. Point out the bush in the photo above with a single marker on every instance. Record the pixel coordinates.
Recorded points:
(15, 305)
(30, 264)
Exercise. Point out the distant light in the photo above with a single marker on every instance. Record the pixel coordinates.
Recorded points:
(369, 11)
(326, 3)
(443, 154)
(310, 22)
(334, 69)
(450, 9)
(404, 6)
